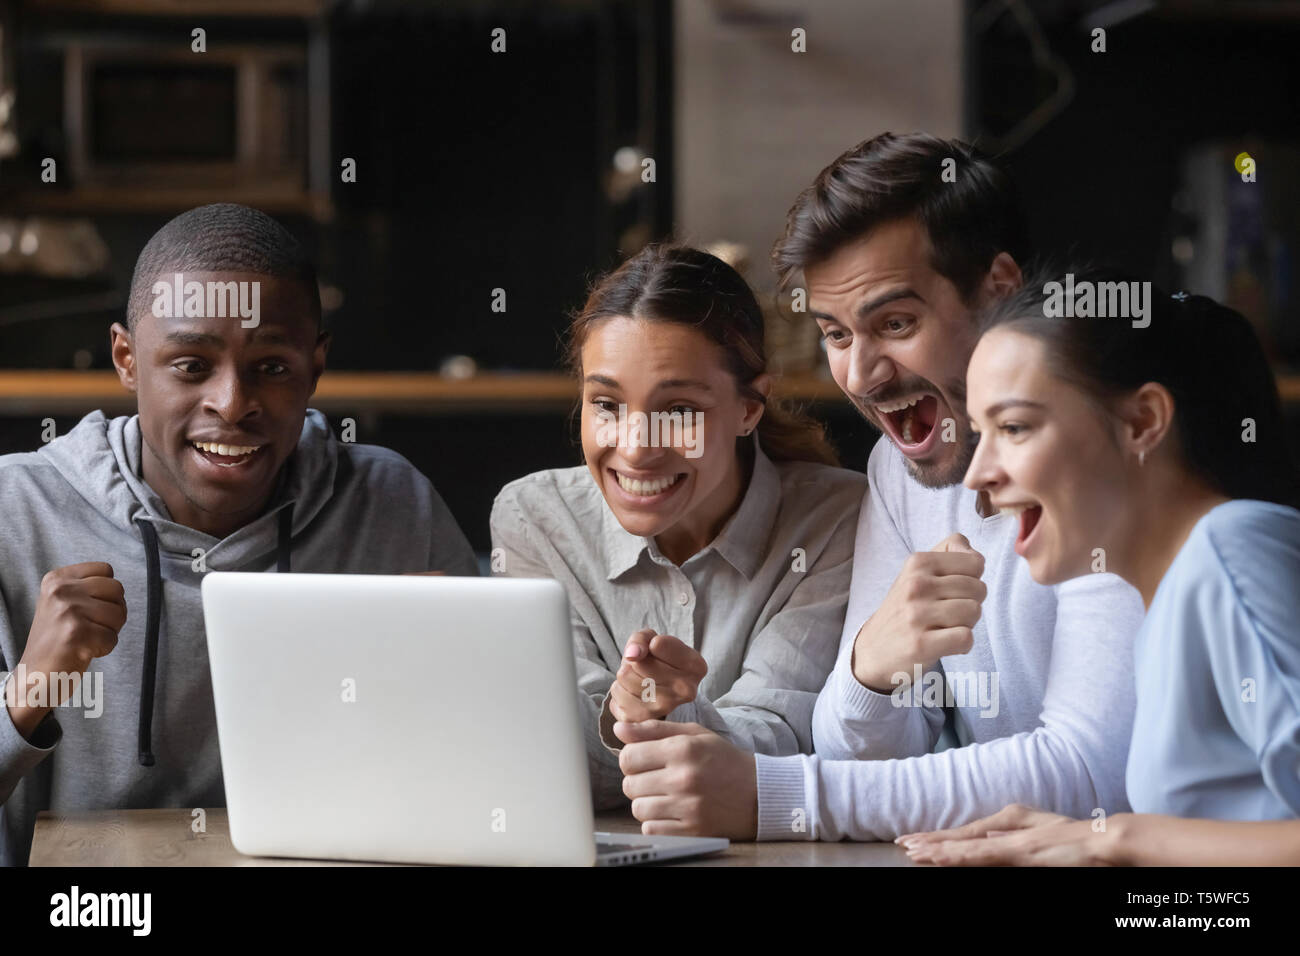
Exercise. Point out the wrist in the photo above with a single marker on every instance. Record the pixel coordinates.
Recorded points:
(1118, 848)
(25, 719)
(871, 680)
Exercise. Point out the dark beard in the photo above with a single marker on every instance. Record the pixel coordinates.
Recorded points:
(942, 475)
(949, 473)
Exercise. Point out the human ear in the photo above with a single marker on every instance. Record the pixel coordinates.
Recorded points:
(122, 348)
(1145, 416)
(1002, 279)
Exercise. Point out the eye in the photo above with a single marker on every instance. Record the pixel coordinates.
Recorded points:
(897, 324)
(605, 405)
(274, 368)
(188, 366)
(836, 337)
(683, 409)
(1012, 429)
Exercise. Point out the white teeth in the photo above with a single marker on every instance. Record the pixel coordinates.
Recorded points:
(1014, 509)
(898, 406)
(225, 450)
(645, 488)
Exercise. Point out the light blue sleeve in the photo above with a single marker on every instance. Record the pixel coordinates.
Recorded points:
(1255, 661)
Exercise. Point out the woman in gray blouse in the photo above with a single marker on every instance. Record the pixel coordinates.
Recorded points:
(707, 545)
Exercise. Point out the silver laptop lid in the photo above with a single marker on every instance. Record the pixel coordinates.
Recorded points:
(399, 718)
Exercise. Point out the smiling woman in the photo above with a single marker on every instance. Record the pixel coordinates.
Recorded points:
(708, 562)
(1157, 452)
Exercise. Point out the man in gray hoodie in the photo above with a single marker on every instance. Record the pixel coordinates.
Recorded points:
(109, 529)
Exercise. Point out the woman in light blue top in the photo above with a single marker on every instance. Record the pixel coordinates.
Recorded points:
(1155, 448)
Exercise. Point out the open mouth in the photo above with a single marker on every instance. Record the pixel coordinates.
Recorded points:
(1028, 515)
(226, 456)
(910, 422)
(647, 490)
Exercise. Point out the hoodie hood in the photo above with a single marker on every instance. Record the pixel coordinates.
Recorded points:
(100, 458)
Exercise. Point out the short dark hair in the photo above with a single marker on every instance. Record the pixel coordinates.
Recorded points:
(890, 177)
(1206, 354)
(222, 237)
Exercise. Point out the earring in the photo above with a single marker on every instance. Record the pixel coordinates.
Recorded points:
(1142, 458)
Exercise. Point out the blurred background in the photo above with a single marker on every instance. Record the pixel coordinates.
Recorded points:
(525, 169)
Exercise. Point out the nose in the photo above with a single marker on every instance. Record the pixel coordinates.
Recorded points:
(643, 446)
(868, 369)
(984, 473)
(230, 397)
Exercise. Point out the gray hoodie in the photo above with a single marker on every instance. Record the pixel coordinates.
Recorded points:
(141, 730)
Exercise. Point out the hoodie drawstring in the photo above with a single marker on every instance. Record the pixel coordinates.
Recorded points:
(153, 614)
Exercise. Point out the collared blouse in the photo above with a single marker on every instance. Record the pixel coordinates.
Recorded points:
(763, 603)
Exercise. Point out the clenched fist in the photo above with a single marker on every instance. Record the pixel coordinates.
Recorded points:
(928, 613)
(80, 610)
(658, 673)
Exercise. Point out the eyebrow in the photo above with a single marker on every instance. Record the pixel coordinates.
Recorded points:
(1003, 405)
(871, 305)
(193, 338)
(263, 336)
(666, 383)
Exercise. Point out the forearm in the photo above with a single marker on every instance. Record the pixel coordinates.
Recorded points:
(768, 726)
(1147, 839)
(880, 800)
(853, 722)
(19, 752)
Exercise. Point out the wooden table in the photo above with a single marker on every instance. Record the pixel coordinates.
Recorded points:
(165, 838)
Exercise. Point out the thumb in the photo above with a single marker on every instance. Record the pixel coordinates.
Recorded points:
(635, 732)
(955, 542)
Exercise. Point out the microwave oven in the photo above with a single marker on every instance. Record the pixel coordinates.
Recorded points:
(141, 115)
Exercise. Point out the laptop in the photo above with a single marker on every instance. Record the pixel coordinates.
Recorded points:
(406, 719)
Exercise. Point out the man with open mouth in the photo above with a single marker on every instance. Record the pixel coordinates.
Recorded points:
(110, 528)
(897, 260)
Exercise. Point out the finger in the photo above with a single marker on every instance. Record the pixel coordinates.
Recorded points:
(655, 730)
(1008, 818)
(97, 641)
(649, 783)
(629, 680)
(954, 612)
(677, 654)
(1002, 851)
(668, 828)
(102, 613)
(87, 569)
(629, 705)
(667, 681)
(947, 642)
(638, 644)
(641, 757)
(954, 542)
(656, 808)
(969, 563)
(103, 589)
(948, 586)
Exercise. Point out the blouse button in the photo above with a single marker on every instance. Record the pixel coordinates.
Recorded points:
(683, 599)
